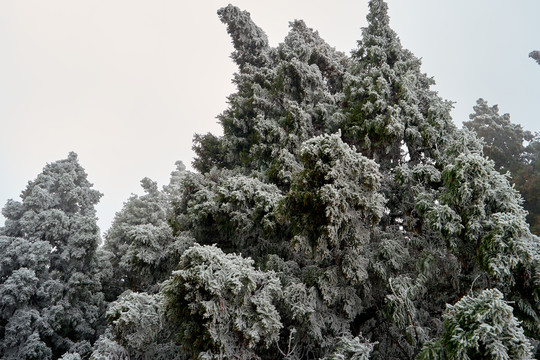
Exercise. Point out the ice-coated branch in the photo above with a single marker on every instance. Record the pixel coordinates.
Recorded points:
(249, 40)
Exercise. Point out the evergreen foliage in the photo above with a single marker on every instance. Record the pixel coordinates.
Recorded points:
(504, 140)
(481, 327)
(391, 112)
(141, 241)
(341, 215)
(513, 150)
(285, 96)
(223, 306)
(138, 330)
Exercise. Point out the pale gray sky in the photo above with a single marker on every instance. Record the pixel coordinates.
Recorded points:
(126, 83)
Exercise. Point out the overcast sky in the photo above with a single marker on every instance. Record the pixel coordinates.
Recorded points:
(126, 83)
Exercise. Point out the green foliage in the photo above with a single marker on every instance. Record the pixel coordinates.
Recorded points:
(481, 327)
(136, 319)
(234, 211)
(331, 208)
(285, 96)
(504, 141)
(334, 200)
(371, 230)
(389, 105)
(222, 305)
(138, 330)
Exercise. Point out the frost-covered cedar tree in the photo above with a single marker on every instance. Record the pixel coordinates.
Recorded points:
(512, 149)
(479, 215)
(144, 253)
(373, 214)
(51, 269)
(141, 240)
(332, 206)
(232, 210)
(535, 55)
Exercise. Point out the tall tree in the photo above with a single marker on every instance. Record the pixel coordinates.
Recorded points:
(371, 230)
(51, 284)
(504, 140)
(338, 214)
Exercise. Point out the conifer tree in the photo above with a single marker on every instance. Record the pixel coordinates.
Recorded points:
(370, 232)
(51, 279)
(504, 140)
(481, 327)
(513, 150)
(337, 216)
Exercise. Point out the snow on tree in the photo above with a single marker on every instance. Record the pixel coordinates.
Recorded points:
(480, 327)
(50, 277)
(352, 349)
(138, 330)
(372, 230)
(337, 216)
(512, 149)
(478, 214)
(223, 306)
(285, 96)
(144, 253)
(331, 207)
(231, 210)
(145, 250)
(389, 104)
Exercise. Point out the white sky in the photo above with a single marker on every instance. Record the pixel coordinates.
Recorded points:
(126, 83)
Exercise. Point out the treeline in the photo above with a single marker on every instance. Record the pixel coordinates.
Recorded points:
(341, 215)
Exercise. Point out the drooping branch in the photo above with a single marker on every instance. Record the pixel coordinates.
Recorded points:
(249, 40)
